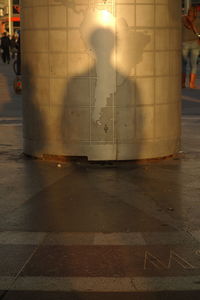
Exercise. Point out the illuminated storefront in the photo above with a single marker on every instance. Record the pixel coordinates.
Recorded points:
(9, 18)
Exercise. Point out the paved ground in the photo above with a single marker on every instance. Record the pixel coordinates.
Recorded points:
(98, 231)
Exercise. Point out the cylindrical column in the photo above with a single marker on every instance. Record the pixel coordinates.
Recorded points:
(101, 78)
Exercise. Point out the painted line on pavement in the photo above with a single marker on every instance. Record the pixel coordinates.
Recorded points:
(101, 284)
(187, 98)
(12, 121)
(76, 238)
(11, 125)
(190, 118)
(10, 118)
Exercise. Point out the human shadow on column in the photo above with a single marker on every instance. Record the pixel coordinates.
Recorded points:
(100, 104)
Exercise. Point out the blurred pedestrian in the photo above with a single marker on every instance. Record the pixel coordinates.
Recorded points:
(13, 43)
(191, 46)
(5, 46)
(18, 47)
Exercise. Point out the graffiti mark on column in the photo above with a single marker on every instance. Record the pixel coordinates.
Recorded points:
(71, 4)
(106, 128)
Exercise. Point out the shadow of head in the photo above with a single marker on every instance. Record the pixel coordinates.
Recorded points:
(102, 41)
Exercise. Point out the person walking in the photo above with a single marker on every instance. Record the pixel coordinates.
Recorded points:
(190, 46)
(5, 45)
(18, 47)
(13, 46)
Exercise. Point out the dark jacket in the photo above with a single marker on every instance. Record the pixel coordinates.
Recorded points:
(5, 43)
(12, 43)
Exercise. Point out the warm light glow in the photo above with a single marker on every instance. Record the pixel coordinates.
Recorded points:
(106, 18)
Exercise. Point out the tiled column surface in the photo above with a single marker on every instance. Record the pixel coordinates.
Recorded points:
(101, 78)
